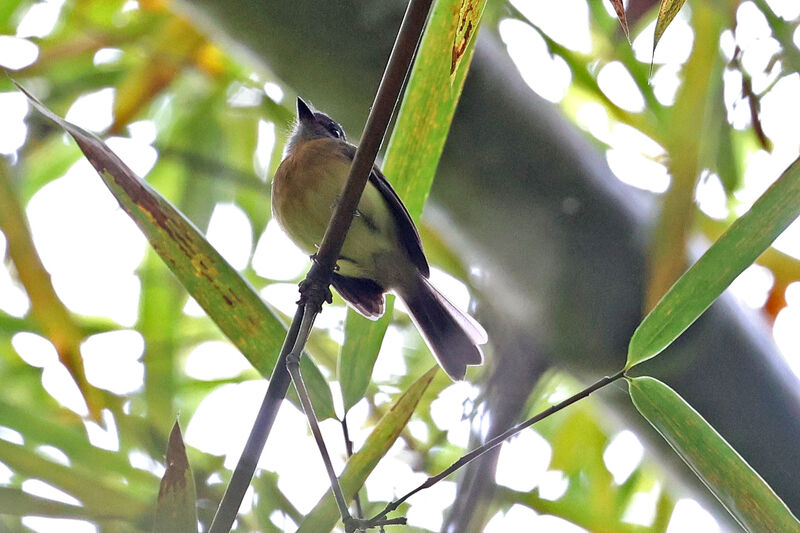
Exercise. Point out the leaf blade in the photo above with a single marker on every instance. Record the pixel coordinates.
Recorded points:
(727, 475)
(413, 153)
(325, 513)
(666, 13)
(230, 301)
(746, 239)
(619, 8)
(358, 355)
(177, 509)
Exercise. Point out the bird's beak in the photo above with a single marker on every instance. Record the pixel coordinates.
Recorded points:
(304, 113)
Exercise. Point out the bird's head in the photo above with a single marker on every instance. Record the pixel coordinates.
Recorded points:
(312, 125)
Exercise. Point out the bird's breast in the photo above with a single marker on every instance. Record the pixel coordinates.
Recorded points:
(305, 190)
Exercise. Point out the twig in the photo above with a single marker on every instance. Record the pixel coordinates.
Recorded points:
(315, 288)
(496, 441)
(348, 446)
(243, 474)
(293, 364)
(382, 108)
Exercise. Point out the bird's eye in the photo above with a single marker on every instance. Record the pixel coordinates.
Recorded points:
(336, 132)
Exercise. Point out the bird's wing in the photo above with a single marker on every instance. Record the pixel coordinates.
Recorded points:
(406, 229)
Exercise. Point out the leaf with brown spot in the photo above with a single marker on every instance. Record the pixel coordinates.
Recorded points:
(666, 13)
(218, 288)
(619, 7)
(469, 17)
(176, 511)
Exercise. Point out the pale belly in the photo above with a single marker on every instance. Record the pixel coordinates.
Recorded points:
(371, 243)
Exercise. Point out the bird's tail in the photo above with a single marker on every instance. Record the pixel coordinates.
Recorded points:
(452, 336)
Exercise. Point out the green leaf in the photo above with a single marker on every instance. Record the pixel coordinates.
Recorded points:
(219, 289)
(666, 12)
(412, 155)
(7, 9)
(737, 486)
(176, 511)
(228, 299)
(65, 431)
(693, 293)
(358, 355)
(318, 389)
(97, 495)
(15, 502)
(325, 514)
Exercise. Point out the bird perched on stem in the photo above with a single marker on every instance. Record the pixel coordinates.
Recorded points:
(382, 250)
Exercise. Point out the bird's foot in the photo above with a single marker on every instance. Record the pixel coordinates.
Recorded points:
(315, 290)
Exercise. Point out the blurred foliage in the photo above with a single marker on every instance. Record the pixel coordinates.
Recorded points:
(208, 109)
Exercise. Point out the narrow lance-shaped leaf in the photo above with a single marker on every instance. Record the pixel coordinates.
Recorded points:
(176, 511)
(325, 514)
(666, 12)
(16, 502)
(737, 486)
(619, 8)
(219, 289)
(357, 356)
(412, 156)
(738, 248)
(108, 496)
(469, 20)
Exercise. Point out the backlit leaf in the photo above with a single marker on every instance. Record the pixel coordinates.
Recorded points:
(738, 248)
(735, 484)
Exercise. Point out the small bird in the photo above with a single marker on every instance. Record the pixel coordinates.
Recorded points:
(382, 250)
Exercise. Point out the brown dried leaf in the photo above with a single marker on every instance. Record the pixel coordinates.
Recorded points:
(623, 20)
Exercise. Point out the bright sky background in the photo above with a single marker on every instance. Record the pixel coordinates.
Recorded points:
(71, 215)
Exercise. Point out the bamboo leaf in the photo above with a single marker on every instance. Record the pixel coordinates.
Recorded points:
(325, 514)
(358, 355)
(97, 495)
(469, 20)
(412, 155)
(746, 239)
(219, 289)
(176, 510)
(15, 502)
(735, 484)
(666, 13)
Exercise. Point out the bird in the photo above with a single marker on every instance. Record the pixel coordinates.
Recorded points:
(382, 250)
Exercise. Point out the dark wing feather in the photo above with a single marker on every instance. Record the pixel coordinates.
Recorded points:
(407, 231)
(363, 294)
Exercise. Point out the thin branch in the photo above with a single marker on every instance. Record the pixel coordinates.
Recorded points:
(243, 474)
(382, 109)
(348, 445)
(496, 441)
(293, 364)
(314, 289)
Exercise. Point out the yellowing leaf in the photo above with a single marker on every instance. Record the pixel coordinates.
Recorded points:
(667, 12)
(469, 16)
(325, 514)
